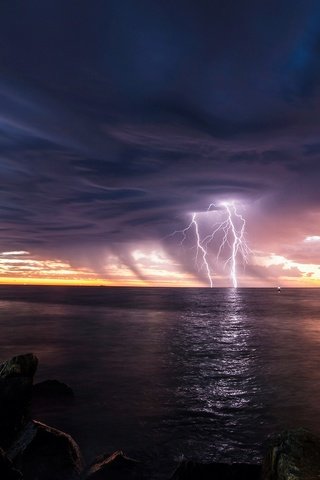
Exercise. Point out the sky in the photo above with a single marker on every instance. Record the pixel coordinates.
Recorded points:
(120, 120)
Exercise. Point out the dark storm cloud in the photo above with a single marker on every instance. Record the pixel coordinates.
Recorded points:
(118, 118)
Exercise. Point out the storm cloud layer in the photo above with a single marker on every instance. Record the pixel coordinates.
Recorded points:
(119, 118)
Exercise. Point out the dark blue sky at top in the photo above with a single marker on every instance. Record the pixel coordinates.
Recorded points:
(119, 117)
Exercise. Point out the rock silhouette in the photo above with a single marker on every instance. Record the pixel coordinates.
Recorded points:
(116, 466)
(293, 455)
(16, 378)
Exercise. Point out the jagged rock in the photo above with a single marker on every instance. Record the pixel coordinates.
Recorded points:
(52, 389)
(45, 453)
(189, 470)
(293, 455)
(16, 378)
(7, 471)
(113, 467)
(19, 366)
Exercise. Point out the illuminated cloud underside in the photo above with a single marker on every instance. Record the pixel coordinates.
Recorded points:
(289, 272)
(152, 267)
(156, 268)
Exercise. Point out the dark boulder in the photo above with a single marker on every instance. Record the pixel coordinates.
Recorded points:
(45, 453)
(52, 389)
(16, 378)
(293, 455)
(7, 471)
(113, 467)
(189, 470)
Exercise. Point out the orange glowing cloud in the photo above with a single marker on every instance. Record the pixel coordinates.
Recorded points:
(18, 267)
(151, 268)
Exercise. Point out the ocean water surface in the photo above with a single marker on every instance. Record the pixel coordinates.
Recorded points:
(163, 372)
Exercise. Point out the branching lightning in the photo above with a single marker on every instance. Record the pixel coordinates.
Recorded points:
(225, 234)
(202, 249)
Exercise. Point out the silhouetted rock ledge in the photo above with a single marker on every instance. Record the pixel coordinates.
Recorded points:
(16, 378)
(31, 450)
(43, 452)
(116, 466)
(7, 470)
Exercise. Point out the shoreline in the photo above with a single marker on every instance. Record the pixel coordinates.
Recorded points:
(31, 449)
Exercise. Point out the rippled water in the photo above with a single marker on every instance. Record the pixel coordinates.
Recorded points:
(165, 372)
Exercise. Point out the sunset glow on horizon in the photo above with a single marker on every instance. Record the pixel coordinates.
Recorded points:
(152, 268)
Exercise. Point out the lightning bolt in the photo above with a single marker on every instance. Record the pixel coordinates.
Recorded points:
(199, 246)
(239, 245)
(202, 249)
(230, 229)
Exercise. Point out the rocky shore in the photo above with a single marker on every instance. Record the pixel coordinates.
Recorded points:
(31, 450)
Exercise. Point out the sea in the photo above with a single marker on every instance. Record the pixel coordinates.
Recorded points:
(171, 373)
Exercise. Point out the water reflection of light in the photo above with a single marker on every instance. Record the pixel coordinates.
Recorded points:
(220, 385)
(231, 389)
(311, 329)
